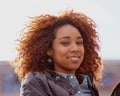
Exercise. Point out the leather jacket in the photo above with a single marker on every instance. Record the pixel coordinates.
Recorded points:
(49, 83)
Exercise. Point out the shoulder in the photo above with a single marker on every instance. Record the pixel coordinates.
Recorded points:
(34, 83)
(39, 76)
(33, 76)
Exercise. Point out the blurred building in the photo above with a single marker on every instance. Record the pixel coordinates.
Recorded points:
(9, 84)
(111, 76)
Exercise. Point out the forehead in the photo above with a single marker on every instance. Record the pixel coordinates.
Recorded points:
(67, 30)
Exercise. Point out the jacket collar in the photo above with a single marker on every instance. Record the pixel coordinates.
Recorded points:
(52, 74)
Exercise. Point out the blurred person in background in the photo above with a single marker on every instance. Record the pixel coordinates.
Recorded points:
(116, 90)
(58, 56)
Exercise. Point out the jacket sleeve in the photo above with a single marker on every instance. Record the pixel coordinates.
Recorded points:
(31, 87)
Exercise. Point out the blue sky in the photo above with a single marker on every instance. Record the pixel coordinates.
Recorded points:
(14, 15)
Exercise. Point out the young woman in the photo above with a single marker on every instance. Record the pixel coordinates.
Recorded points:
(58, 56)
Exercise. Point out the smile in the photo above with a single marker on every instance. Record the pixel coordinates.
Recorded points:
(74, 58)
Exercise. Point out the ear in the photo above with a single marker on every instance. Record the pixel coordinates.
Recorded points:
(49, 52)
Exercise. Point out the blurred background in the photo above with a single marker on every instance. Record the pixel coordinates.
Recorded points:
(14, 14)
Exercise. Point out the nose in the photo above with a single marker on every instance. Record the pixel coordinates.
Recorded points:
(74, 48)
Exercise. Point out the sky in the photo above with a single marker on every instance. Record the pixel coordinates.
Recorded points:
(14, 14)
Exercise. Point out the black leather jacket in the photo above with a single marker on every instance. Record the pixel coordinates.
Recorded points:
(48, 83)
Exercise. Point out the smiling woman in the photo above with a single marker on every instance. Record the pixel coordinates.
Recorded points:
(58, 56)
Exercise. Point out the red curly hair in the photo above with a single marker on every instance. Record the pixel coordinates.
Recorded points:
(39, 34)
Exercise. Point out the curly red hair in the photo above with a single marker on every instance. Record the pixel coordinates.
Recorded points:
(39, 34)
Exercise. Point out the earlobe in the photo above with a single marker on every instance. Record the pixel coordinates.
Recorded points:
(49, 52)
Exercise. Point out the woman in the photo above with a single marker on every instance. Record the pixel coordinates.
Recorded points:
(58, 56)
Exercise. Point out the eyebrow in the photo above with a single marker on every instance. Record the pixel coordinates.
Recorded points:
(79, 37)
(67, 37)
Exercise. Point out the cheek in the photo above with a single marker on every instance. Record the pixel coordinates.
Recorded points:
(82, 50)
(60, 52)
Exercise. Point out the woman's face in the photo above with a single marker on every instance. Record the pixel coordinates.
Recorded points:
(68, 50)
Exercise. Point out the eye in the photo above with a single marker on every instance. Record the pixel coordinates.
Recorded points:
(65, 43)
(79, 43)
